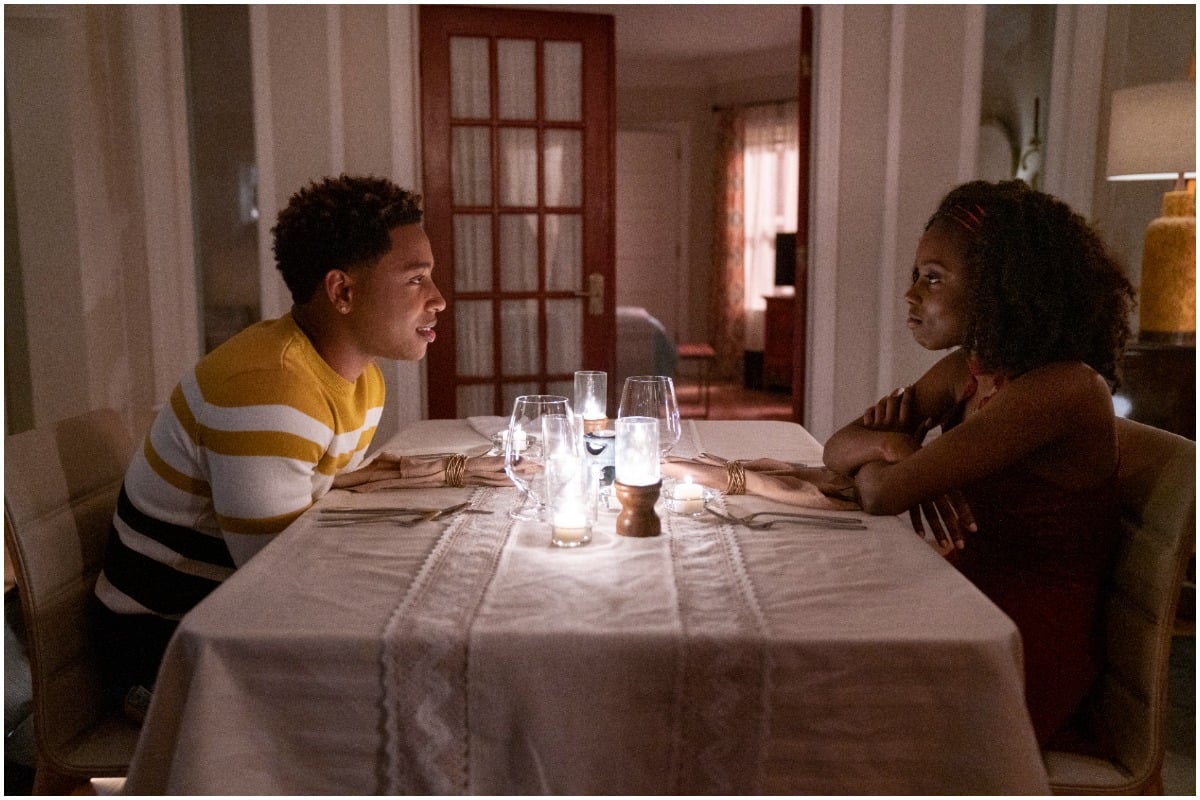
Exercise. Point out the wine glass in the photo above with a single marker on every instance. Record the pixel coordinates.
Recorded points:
(524, 451)
(653, 396)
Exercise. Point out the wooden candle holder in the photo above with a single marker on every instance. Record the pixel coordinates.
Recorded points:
(637, 517)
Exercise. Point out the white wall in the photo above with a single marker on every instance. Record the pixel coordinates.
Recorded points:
(96, 122)
(897, 112)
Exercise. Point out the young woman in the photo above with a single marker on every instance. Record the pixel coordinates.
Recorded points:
(1020, 487)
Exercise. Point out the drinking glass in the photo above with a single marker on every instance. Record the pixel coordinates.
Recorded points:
(524, 451)
(653, 396)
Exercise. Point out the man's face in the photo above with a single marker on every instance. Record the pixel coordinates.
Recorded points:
(395, 300)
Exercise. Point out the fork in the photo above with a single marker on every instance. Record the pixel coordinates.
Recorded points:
(813, 520)
(749, 523)
(853, 522)
(355, 516)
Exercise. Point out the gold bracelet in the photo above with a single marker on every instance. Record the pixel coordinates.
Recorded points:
(456, 470)
(736, 476)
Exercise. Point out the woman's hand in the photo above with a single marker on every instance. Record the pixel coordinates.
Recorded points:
(891, 412)
(950, 520)
(948, 515)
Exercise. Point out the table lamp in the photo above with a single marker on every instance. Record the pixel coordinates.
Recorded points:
(1152, 136)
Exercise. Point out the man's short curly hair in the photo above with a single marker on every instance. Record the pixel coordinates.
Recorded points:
(1041, 285)
(338, 223)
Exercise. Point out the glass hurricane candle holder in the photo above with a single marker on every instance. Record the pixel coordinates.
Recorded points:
(571, 494)
(637, 452)
(638, 476)
(591, 399)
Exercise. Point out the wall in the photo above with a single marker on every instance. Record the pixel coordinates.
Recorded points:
(897, 112)
(94, 113)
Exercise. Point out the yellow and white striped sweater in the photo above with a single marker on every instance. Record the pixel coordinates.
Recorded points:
(251, 438)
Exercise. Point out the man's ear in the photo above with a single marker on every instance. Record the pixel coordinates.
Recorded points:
(339, 289)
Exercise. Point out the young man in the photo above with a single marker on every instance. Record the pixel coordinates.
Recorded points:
(263, 425)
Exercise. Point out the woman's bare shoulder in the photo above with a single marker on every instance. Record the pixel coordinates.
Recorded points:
(1067, 381)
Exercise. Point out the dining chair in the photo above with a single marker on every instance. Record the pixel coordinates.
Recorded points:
(60, 490)
(1157, 487)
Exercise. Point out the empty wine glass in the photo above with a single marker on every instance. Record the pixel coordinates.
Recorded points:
(653, 396)
(524, 451)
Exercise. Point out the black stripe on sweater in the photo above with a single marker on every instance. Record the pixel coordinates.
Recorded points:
(190, 544)
(160, 588)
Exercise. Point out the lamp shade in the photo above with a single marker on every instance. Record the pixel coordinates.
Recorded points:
(1152, 135)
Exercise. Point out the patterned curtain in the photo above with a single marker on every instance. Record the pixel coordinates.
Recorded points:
(727, 311)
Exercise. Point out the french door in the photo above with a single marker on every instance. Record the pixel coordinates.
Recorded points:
(518, 130)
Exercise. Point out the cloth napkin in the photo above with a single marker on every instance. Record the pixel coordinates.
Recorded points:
(419, 472)
(488, 426)
(776, 480)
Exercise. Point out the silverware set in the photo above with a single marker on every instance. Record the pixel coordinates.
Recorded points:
(400, 516)
(753, 522)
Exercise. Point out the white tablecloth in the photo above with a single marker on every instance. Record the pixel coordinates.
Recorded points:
(471, 657)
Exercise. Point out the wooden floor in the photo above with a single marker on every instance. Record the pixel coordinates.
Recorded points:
(732, 401)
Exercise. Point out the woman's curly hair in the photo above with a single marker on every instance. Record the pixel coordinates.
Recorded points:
(338, 223)
(1041, 285)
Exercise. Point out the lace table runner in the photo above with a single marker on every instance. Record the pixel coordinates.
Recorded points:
(511, 666)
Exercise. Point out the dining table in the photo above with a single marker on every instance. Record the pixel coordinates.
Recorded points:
(467, 655)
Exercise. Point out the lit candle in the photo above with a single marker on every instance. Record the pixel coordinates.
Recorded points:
(637, 451)
(520, 441)
(570, 528)
(593, 410)
(591, 394)
(688, 497)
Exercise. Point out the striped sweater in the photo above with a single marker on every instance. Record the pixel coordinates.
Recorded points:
(251, 438)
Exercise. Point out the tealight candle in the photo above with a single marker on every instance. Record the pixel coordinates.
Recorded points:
(520, 440)
(570, 528)
(688, 497)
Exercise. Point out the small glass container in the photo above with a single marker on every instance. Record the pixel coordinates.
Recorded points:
(686, 498)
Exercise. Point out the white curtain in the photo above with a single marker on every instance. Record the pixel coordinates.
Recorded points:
(771, 184)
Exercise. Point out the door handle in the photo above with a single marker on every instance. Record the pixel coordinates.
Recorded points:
(594, 294)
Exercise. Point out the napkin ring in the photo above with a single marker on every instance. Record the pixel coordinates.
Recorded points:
(736, 476)
(456, 469)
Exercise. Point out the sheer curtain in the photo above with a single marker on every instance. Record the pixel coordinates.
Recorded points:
(771, 176)
(727, 307)
(757, 192)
